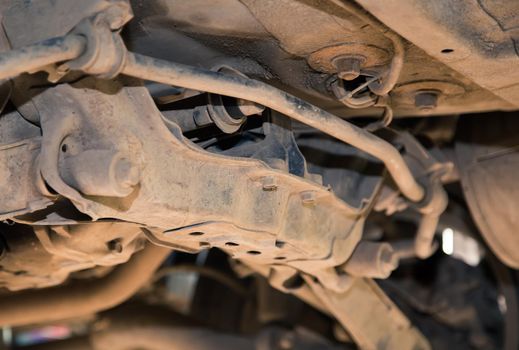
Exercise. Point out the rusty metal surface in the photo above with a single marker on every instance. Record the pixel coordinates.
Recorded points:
(304, 27)
(107, 153)
(475, 38)
(17, 174)
(41, 55)
(49, 255)
(168, 73)
(194, 199)
(126, 164)
(189, 199)
(371, 318)
(19, 148)
(144, 67)
(371, 56)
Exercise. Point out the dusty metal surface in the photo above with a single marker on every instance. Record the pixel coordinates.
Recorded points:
(316, 26)
(374, 321)
(20, 143)
(18, 166)
(188, 197)
(475, 38)
(47, 256)
(365, 312)
(93, 167)
(168, 73)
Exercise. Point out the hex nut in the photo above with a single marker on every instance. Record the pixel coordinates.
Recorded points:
(426, 100)
(348, 68)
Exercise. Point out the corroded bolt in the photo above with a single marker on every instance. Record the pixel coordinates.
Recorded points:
(348, 68)
(308, 197)
(269, 183)
(426, 100)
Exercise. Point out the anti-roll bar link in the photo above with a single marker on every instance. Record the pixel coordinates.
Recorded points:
(34, 57)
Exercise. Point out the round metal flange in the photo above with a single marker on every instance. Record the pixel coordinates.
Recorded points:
(448, 88)
(221, 117)
(218, 113)
(324, 59)
(406, 93)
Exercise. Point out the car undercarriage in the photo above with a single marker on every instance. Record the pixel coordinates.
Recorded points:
(259, 174)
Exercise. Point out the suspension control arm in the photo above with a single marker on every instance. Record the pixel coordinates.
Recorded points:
(36, 56)
(165, 72)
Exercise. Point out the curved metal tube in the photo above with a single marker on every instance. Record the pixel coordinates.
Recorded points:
(165, 72)
(397, 62)
(33, 57)
(387, 118)
(423, 245)
(424, 241)
(36, 56)
(84, 297)
(389, 80)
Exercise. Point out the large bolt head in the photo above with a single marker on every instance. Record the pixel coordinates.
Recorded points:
(426, 100)
(348, 68)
